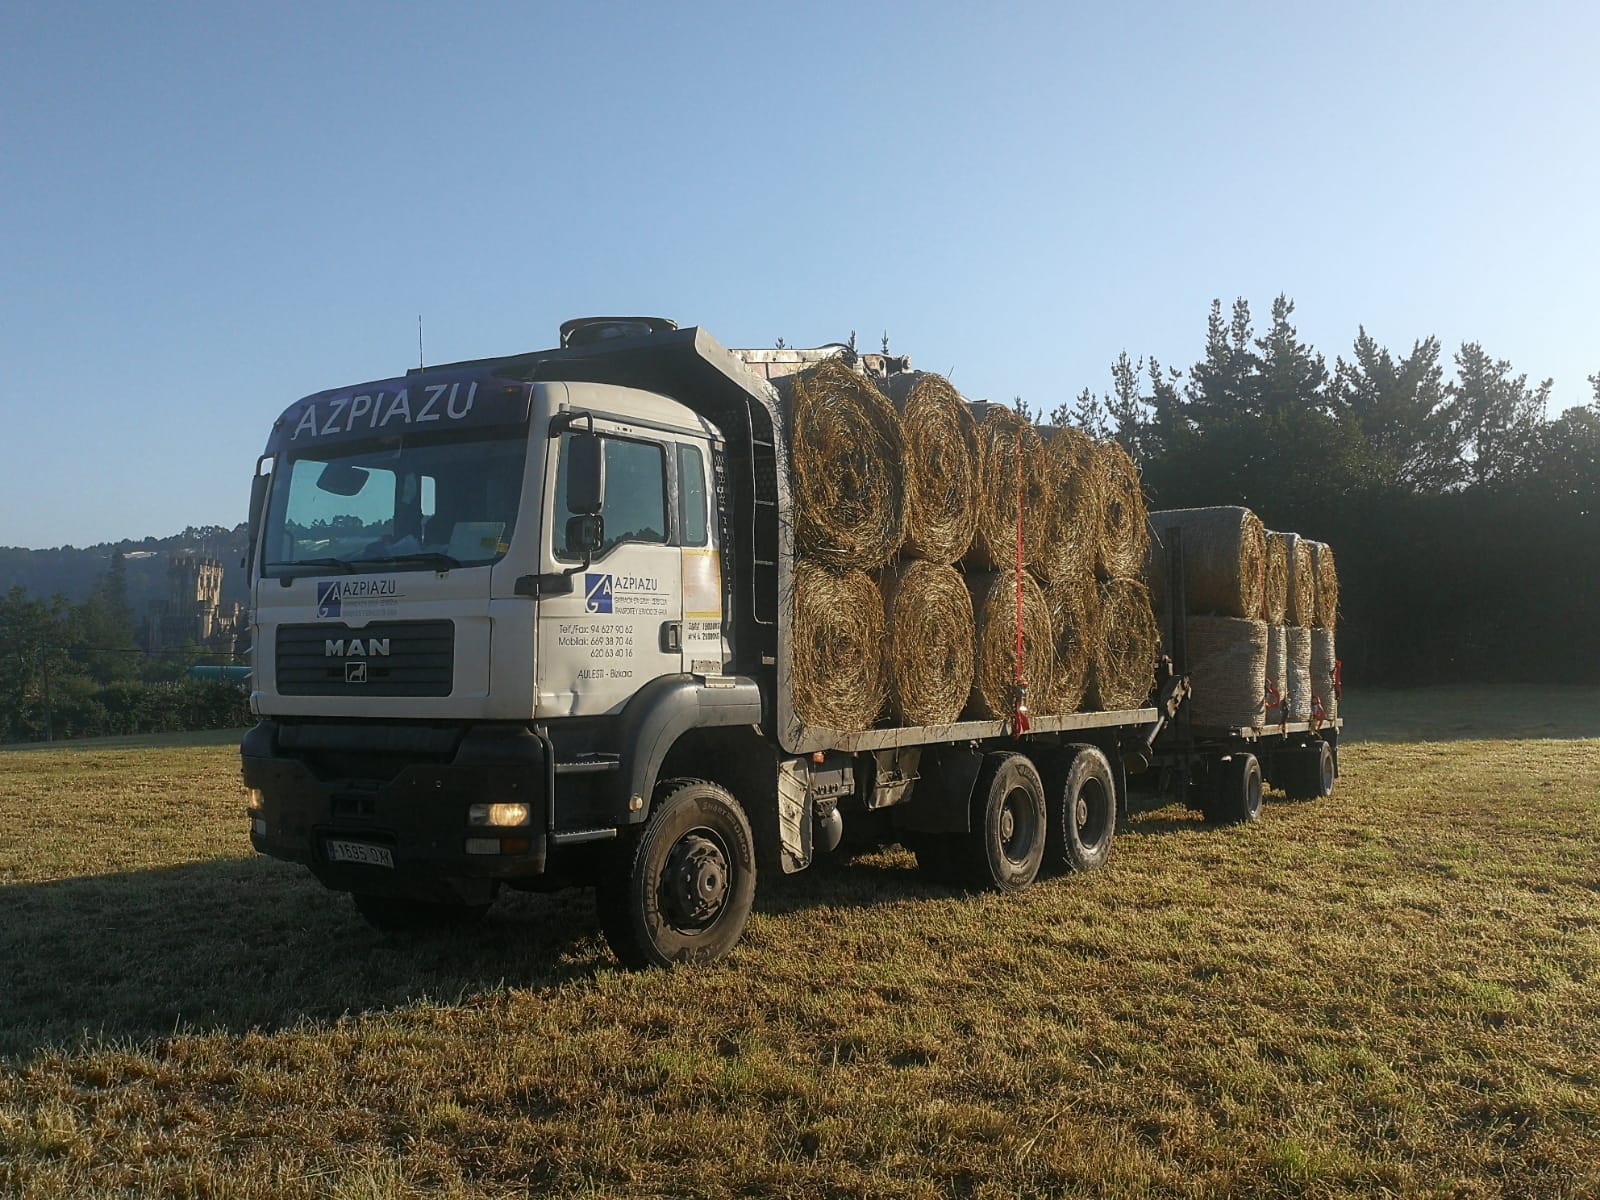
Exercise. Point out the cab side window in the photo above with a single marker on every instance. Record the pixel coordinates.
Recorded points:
(691, 496)
(635, 495)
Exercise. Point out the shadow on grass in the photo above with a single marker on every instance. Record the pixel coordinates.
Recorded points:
(240, 944)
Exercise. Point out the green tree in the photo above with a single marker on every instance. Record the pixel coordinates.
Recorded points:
(1400, 408)
(1494, 417)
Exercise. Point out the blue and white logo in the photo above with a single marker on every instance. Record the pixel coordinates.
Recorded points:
(596, 593)
(328, 598)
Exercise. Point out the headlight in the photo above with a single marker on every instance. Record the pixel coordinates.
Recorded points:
(252, 801)
(498, 815)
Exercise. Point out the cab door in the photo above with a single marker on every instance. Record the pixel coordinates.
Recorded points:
(621, 624)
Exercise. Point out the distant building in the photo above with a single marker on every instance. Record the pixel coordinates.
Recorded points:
(193, 609)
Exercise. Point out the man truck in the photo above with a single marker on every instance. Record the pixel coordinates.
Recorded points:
(524, 622)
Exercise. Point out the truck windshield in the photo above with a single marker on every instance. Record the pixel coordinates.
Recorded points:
(412, 504)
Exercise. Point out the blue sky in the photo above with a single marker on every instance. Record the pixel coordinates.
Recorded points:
(210, 210)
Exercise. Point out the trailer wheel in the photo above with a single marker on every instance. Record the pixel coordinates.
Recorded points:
(1005, 848)
(681, 889)
(1082, 800)
(1307, 773)
(1237, 799)
(401, 914)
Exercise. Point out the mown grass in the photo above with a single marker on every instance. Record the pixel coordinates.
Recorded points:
(1393, 991)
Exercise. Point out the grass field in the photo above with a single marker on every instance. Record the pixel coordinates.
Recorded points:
(1395, 991)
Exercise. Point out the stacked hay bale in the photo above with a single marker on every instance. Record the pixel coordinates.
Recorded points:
(1225, 568)
(918, 496)
(1012, 495)
(846, 472)
(1325, 684)
(1299, 615)
(1127, 640)
(1073, 499)
(1274, 610)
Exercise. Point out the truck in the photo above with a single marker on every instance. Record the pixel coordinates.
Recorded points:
(524, 622)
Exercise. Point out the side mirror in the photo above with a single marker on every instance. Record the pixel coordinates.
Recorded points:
(253, 522)
(583, 474)
(586, 534)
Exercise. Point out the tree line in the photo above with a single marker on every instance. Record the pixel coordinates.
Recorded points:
(1464, 520)
(75, 670)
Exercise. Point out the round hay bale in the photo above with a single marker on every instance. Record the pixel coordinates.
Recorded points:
(1277, 675)
(1298, 664)
(1327, 577)
(927, 611)
(1124, 533)
(941, 467)
(1125, 652)
(1074, 489)
(846, 456)
(1005, 436)
(1224, 558)
(994, 671)
(1228, 665)
(837, 671)
(1324, 671)
(1074, 620)
(1302, 606)
(1275, 580)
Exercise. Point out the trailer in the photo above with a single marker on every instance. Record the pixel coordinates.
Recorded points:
(525, 622)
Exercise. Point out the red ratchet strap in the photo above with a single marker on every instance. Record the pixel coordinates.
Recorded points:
(1319, 714)
(1338, 679)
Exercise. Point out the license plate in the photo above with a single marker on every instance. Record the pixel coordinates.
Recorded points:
(359, 852)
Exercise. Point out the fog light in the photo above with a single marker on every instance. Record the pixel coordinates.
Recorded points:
(252, 801)
(258, 827)
(497, 814)
(483, 845)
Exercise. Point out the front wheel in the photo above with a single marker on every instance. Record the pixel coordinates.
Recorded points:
(681, 889)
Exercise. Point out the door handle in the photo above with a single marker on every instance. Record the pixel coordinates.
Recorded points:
(671, 637)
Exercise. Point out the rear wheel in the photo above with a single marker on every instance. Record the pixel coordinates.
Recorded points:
(1306, 773)
(1081, 797)
(1005, 847)
(681, 890)
(401, 914)
(1237, 798)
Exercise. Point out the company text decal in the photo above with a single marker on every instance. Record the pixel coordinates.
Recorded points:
(357, 597)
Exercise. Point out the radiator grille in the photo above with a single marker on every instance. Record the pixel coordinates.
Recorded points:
(385, 658)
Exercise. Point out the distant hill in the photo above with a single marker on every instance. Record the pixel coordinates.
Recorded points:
(72, 570)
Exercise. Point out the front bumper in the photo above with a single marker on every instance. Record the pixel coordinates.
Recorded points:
(404, 789)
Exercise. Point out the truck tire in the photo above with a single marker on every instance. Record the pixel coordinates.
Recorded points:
(1081, 797)
(1306, 773)
(1237, 798)
(1005, 848)
(401, 914)
(681, 888)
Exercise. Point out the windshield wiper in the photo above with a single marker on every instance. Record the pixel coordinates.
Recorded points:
(433, 558)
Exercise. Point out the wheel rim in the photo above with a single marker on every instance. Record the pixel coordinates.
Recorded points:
(1018, 826)
(1325, 768)
(1089, 815)
(696, 881)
